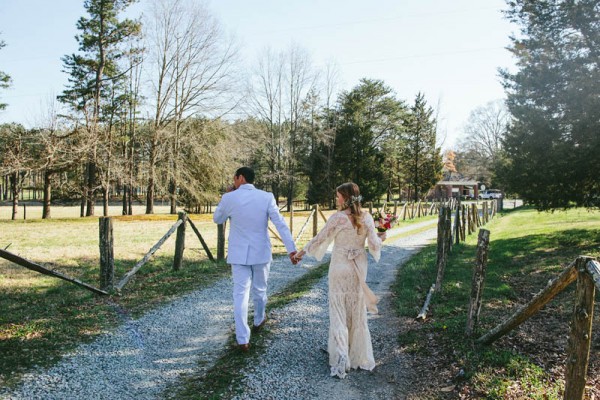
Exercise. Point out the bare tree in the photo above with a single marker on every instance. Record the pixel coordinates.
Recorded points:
(57, 150)
(193, 66)
(280, 90)
(481, 143)
(16, 158)
(485, 129)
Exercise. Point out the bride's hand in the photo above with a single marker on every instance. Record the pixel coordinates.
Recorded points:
(382, 235)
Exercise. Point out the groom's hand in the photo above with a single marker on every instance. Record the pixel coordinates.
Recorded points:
(293, 259)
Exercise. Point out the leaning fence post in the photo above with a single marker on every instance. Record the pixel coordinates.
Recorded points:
(578, 349)
(180, 242)
(315, 219)
(220, 242)
(107, 260)
(483, 241)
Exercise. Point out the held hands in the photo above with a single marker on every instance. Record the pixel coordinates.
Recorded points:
(296, 256)
(293, 258)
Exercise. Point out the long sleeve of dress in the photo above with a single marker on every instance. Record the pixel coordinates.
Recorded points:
(373, 241)
(319, 244)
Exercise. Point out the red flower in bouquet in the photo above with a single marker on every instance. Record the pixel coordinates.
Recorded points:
(384, 221)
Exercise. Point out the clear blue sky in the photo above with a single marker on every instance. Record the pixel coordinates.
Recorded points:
(449, 50)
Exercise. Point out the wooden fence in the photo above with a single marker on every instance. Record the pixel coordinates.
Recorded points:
(107, 256)
(467, 218)
(586, 271)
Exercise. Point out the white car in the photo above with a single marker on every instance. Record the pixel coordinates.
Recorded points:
(490, 194)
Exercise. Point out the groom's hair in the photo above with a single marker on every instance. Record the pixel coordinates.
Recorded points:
(247, 173)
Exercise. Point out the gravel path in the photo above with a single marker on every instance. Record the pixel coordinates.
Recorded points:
(295, 364)
(140, 358)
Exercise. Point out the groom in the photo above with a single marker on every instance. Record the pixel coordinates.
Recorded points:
(249, 251)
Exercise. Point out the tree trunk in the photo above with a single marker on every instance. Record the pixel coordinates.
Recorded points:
(14, 181)
(105, 199)
(124, 209)
(173, 195)
(47, 194)
(151, 177)
(91, 188)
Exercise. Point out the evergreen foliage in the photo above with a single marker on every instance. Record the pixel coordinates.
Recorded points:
(4, 79)
(369, 114)
(552, 149)
(422, 159)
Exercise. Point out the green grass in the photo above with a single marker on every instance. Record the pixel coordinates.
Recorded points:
(527, 248)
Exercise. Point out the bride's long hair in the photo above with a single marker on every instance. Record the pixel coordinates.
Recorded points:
(352, 198)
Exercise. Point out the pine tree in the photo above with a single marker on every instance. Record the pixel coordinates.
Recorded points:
(552, 148)
(101, 40)
(421, 158)
(4, 79)
(369, 114)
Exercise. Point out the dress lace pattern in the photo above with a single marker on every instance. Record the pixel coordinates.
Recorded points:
(349, 343)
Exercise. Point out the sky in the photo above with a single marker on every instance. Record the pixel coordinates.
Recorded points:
(448, 50)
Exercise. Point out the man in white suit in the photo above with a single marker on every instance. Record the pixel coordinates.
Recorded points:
(249, 250)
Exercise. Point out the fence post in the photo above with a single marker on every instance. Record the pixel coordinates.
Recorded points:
(477, 283)
(457, 223)
(24, 212)
(578, 353)
(442, 246)
(220, 242)
(107, 260)
(180, 242)
(463, 230)
(316, 219)
(395, 206)
(292, 219)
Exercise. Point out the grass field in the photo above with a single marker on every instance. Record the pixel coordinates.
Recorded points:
(527, 249)
(42, 317)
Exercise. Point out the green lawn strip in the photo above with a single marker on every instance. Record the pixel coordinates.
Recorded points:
(527, 249)
(223, 380)
(39, 323)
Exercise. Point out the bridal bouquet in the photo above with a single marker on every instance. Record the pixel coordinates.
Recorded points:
(384, 221)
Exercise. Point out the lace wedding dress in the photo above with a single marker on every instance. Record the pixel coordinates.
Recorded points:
(349, 343)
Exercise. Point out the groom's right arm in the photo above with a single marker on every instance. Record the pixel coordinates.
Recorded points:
(222, 212)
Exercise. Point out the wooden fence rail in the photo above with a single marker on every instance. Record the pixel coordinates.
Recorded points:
(586, 271)
(43, 270)
(149, 254)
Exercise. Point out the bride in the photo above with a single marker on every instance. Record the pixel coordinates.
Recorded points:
(349, 343)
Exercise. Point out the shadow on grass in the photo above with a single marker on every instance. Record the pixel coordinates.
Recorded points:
(517, 269)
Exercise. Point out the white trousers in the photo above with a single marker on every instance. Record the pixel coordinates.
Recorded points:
(246, 277)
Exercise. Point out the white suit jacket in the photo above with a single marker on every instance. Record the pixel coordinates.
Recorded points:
(249, 210)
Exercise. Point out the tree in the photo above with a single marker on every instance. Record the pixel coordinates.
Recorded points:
(552, 148)
(16, 158)
(193, 64)
(368, 114)
(422, 159)
(481, 143)
(284, 97)
(4, 79)
(486, 128)
(56, 150)
(100, 42)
